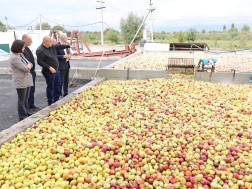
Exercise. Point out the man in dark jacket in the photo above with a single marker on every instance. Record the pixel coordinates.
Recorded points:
(64, 55)
(47, 59)
(29, 56)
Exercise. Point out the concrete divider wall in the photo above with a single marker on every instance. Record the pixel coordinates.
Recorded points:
(222, 77)
(116, 74)
(124, 74)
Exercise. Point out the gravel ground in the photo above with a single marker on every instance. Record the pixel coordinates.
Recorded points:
(8, 100)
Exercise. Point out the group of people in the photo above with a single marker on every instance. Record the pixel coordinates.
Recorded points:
(53, 56)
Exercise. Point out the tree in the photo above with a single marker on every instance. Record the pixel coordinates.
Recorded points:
(129, 27)
(59, 27)
(233, 31)
(3, 28)
(191, 35)
(112, 35)
(245, 28)
(181, 37)
(232, 26)
(44, 26)
(224, 28)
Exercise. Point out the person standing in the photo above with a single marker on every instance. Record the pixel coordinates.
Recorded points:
(21, 77)
(29, 56)
(64, 55)
(47, 59)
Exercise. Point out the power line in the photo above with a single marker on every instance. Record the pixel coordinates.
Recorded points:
(107, 25)
(70, 25)
(83, 25)
(51, 20)
(29, 22)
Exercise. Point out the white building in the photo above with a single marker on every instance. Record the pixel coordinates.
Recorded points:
(6, 38)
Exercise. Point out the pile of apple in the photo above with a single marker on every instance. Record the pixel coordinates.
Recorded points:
(138, 134)
(181, 76)
(240, 61)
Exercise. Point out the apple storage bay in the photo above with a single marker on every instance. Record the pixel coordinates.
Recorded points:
(153, 133)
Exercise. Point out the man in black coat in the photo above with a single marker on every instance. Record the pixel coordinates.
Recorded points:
(64, 55)
(29, 56)
(47, 59)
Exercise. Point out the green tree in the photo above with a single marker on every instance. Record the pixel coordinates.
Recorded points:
(245, 28)
(181, 37)
(224, 28)
(233, 31)
(191, 35)
(44, 26)
(59, 27)
(3, 28)
(232, 26)
(112, 35)
(129, 27)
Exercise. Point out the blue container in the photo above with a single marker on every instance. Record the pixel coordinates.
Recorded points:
(205, 61)
(214, 60)
(250, 80)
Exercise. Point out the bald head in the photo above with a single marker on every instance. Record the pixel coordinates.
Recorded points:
(63, 38)
(27, 39)
(47, 41)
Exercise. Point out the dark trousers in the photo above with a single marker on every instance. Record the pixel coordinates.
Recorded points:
(64, 78)
(23, 106)
(53, 85)
(32, 91)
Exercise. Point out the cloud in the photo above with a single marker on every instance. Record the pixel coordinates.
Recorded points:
(168, 13)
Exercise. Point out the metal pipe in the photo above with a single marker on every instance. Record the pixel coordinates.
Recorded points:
(139, 28)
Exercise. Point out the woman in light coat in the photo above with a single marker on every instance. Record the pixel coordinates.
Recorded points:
(21, 77)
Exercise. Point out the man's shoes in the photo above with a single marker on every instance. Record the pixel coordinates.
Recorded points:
(29, 113)
(35, 109)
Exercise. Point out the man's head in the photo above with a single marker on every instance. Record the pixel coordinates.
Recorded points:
(63, 38)
(53, 41)
(27, 39)
(48, 41)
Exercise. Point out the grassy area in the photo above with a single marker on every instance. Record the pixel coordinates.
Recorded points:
(214, 39)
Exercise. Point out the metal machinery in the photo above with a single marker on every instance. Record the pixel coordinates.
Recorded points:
(76, 36)
(206, 64)
(189, 47)
(181, 65)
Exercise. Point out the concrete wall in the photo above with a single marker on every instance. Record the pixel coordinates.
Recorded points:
(122, 74)
(222, 77)
(157, 47)
(125, 74)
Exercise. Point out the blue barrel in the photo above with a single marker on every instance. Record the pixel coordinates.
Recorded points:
(250, 80)
(205, 61)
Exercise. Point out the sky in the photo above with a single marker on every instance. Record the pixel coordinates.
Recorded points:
(168, 16)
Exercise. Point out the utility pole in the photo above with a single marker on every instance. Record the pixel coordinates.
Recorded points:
(40, 26)
(101, 7)
(7, 25)
(152, 19)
